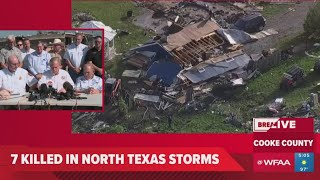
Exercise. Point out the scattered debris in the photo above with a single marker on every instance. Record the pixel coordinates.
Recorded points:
(292, 78)
(265, 33)
(276, 106)
(112, 89)
(142, 98)
(235, 36)
(317, 66)
(98, 125)
(131, 73)
(81, 17)
(250, 23)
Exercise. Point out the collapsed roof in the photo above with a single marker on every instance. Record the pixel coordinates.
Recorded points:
(165, 70)
(234, 36)
(216, 66)
(190, 33)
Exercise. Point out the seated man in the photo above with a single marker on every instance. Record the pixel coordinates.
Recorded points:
(14, 79)
(56, 76)
(89, 83)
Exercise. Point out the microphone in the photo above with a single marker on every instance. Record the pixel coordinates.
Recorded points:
(67, 86)
(43, 90)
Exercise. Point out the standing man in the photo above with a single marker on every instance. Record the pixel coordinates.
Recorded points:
(58, 51)
(26, 51)
(10, 50)
(94, 56)
(74, 57)
(14, 79)
(38, 61)
(89, 83)
(20, 45)
(55, 76)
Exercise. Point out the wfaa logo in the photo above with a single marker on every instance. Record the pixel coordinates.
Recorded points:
(265, 124)
(274, 162)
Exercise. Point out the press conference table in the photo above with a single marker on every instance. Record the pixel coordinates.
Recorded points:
(92, 100)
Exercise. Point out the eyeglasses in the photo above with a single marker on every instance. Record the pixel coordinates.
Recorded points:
(20, 44)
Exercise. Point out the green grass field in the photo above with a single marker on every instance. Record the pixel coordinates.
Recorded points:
(114, 14)
(261, 90)
(270, 10)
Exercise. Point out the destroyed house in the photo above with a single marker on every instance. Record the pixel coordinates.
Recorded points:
(167, 71)
(190, 44)
(143, 56)
(215, 67)
(157, 62)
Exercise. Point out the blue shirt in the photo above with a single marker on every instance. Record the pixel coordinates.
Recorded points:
(38, 63)
(83, 84)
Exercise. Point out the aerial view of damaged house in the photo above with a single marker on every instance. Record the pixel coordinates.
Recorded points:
(207, 67)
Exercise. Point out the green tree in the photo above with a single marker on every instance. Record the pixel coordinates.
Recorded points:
(123, 108)
(311, 23)
(116, 129)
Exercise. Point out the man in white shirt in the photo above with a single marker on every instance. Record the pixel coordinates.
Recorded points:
(89, 83)
(56, 76)
(14, 79)
(26, 51)
(74, 57)
(38, 62)
(9, 50)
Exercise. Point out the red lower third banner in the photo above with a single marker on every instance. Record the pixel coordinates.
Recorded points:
(117, 159)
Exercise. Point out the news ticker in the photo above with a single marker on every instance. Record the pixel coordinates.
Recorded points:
(283, 144)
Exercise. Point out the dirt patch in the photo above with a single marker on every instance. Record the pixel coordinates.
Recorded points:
(287, 23)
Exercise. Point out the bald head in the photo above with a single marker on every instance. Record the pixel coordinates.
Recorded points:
(13, 63)
(88, 71)
(88, 67)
